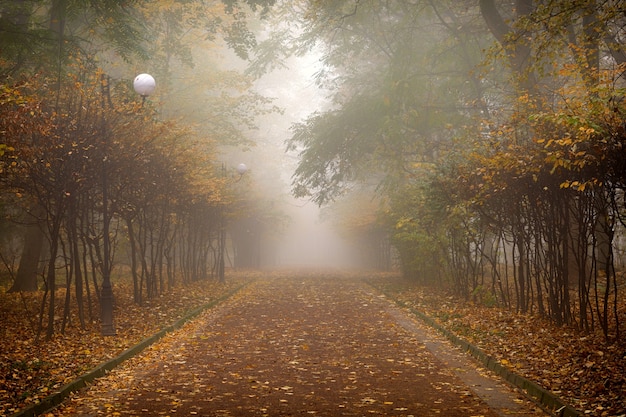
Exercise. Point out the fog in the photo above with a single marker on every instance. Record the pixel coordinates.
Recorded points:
(308, 241)
(311, 242)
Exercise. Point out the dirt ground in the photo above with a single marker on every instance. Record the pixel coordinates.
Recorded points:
(305, 345)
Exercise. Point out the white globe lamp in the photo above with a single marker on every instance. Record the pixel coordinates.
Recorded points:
(242, 168)
(144, 85)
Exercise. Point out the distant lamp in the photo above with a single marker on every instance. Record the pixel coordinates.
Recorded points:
(144, 85)
(242, 169)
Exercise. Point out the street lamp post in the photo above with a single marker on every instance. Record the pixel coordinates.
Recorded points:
(144, 85)
(241, 170)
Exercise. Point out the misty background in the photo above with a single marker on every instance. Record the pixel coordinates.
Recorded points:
(441, 138)
(309, 238)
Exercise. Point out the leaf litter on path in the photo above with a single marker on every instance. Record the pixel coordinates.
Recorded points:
(31, 370)
(287, 346)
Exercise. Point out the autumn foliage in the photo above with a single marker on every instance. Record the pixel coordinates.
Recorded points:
(31, 371)
(504, 180)
(582, 369)
(161, 188)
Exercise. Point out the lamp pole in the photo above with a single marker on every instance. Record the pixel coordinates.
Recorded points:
(144, 85)
(241, 170)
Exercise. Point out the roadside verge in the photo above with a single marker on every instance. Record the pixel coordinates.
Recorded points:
(58, 396)
(547, 400)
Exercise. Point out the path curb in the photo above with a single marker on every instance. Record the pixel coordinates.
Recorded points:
(57, 397)
(545, 398)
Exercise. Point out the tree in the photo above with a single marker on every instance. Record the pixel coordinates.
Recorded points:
(359, 218)
(30, 33)
(508, 156)
(382, 107)
(92, 123)
(405, 88)
(54, 31)
(562, 69)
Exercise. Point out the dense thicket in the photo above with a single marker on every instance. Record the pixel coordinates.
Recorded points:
(94, 177)
(495, 133)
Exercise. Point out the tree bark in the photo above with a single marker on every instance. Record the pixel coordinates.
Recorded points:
(517, 51)
(26, 278)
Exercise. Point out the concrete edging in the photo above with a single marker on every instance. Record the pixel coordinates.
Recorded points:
(57, 397)
(545, 398)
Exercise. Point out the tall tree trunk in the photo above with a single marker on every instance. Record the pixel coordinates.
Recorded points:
(26, 278)
(517, 52)
(75, 258)
(133, 261)
(51, 278)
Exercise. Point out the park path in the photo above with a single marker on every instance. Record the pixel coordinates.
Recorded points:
(307, 345)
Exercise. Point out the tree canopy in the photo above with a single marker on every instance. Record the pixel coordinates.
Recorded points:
(86, 161)
(492, 131)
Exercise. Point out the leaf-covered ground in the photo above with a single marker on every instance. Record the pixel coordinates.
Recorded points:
(301, 330)
(30, 371)
(289, 345)
(583, 369)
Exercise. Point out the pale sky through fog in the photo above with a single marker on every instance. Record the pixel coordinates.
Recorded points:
(309, 241)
